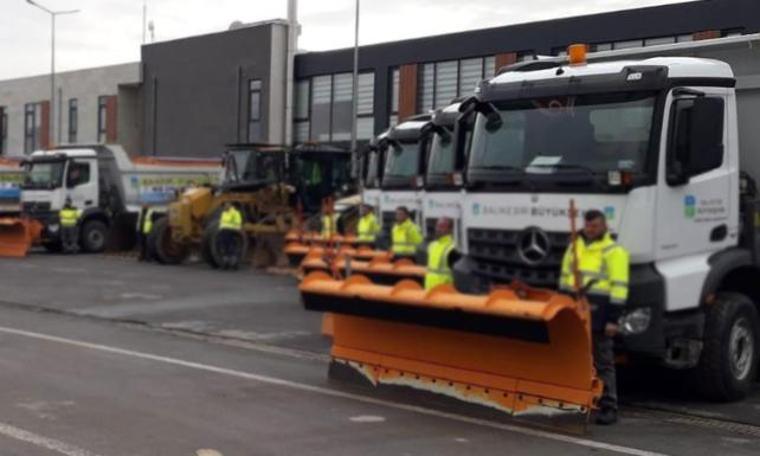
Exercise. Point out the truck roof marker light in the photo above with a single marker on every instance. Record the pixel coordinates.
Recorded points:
(576, 54)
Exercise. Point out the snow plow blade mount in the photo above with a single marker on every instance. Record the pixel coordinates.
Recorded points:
(521, 351)
(17, 236)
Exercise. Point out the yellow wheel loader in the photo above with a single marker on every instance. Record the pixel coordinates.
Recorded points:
(255, 181)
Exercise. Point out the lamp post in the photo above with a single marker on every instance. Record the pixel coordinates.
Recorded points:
(53, 15)
(355, 114)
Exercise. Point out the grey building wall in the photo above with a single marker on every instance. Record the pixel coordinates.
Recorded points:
(84, 85)
(196, 90)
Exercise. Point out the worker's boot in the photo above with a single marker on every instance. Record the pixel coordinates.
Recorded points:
(606, 416)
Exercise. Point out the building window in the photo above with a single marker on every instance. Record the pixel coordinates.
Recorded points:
(628, 44)
(31, 127)
(301, 113)
(659, 41)
(102, 119)
(73, 120)
(732, 32)
(330, 118)
(3, 131)
(601, 47)
(442, 82)
(254, 110)
(395, 94)
(685, 38)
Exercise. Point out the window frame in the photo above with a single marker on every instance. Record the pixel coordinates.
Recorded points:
(3, 130)
(250, 120)
(73, 112)
(102, 119)
(421, 109)
(30, 127)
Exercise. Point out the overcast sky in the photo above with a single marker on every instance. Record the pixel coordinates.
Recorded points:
(110, 31)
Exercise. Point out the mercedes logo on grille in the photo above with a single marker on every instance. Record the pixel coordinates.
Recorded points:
(534, 246)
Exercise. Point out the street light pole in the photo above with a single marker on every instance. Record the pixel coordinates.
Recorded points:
(355, 114)
(51, 116)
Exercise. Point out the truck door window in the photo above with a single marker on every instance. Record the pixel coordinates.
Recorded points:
(696, 138)
(79, 173)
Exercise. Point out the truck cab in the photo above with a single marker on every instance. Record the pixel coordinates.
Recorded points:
(405, 151)
(53, 176)
(654, 144)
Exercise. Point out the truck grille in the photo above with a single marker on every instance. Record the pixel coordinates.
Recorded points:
(32, 207)
(499, 258)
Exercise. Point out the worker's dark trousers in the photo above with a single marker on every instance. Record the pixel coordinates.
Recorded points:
(142, 245)
(69, 239)
(604, 361)
(228, 247)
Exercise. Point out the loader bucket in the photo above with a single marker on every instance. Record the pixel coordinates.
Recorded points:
(380, 270)
(17, 236)
(521, 351)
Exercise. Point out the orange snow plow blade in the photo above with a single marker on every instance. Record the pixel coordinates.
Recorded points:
(17, 236)
(380, 270)
(312, 237)
(297, 252)
(523, 351)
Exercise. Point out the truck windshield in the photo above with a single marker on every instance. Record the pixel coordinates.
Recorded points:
(44, 175)
(402, 160)
(441, 156)
(593, 134)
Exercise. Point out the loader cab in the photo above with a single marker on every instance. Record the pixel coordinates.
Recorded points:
(250, 167)
(318, 172)
(404, 150)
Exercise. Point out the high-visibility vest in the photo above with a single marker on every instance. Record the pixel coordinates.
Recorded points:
(329, 225)
(231, 219)
(438, 269)
(603, 261)
(405, 238)
(368, 228)
(69, 216)
(147, 222)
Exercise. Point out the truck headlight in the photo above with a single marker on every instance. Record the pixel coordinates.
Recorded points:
(53, 228)
(636, 321)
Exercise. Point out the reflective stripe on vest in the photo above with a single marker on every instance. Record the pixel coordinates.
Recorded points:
(368, 228)
(147, 225)
(438, 270)
(69, 217)
(231, 219)
(329, 225)
(405, 237)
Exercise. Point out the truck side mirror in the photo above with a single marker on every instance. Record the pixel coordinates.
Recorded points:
(696, 138)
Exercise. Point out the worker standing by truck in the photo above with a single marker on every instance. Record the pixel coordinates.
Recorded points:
(603, 267)
(230, 231)
(69, 218)
(329, 223)
(144, 227)
(439, 253)
(406, 236)
(368, 227)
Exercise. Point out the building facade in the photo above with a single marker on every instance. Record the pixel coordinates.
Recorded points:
(190, 97)
(94, 105)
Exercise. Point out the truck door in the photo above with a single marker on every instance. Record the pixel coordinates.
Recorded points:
(695, 208)
(82, 183)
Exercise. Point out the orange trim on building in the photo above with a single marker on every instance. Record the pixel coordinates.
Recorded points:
(407, 91)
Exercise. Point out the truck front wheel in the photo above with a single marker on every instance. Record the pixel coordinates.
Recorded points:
(729, 360)
(94, 235)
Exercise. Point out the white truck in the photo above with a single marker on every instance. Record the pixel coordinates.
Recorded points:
(108, 186)
(665, 141)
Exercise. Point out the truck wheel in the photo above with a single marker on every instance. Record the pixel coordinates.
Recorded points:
(728, 363)
(214, 256)
(167, 251)
(94, 236)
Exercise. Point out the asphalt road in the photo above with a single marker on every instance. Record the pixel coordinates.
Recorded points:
(251, 380)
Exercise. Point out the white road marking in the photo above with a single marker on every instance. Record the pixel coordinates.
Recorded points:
(42, 442)
(587, 443)
(367, 419)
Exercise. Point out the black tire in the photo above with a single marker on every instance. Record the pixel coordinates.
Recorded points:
(206, 245)
(166, 251)
(94, 236)
(214, 257)
(729, 360)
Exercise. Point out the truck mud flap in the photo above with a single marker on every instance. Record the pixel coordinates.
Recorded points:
(520, 351)
(17, 236)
